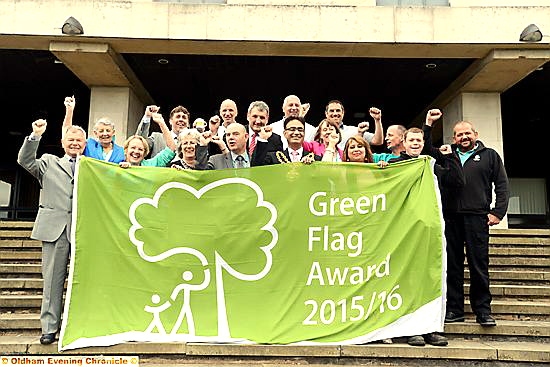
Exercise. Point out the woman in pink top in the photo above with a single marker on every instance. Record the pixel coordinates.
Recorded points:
(321, 140)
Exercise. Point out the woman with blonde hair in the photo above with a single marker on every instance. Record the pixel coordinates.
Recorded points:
(187, 154)
(136, 148)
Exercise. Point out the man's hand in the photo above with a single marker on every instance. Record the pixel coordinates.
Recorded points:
(432, 116)
(205, 138)
(38, 127)
(362, 128)
(445, 149)
(308, 159)
(375, 113)
(217, 140)
(492, 219)
(150, 110)
(70, 103)
(157, 117)
(265, 132)
(382, 164)
(304, 109)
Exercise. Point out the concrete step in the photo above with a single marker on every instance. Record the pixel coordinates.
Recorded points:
(20, 269)
(519, 251)
(18, 233)
(512, 291)
(501, 261)
(517, 307)
(19, 255)
(497, 290)
(505, 328)
(4, 224)
(525, 275)
(19, 243)
(499, 307)
(541, 232)
(460, 350)
(520, 261)
(30, 323)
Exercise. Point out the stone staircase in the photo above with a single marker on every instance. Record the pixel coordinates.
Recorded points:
(520, 282)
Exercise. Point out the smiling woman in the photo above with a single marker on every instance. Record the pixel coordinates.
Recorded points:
(102, 146)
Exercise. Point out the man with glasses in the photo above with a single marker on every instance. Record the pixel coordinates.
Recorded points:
(294, 130)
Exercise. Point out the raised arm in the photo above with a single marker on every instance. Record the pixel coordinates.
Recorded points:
(166, 134)
(378, 138)
(145, 123)
(431, 117)
(330, 151)
(27, 154)
(70, 103)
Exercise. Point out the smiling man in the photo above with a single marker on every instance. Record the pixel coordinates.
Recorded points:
(258, 118)
(334, 112)
(294, 130)
(179, 120)
(53, 221)
(292, 107)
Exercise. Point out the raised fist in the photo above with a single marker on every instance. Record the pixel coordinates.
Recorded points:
(304, 109)
(69, 103)
(157, 117)
(149, 110)
(39, 126)
(445, 149)
(433, 115)
(363, 127)
(375, 113)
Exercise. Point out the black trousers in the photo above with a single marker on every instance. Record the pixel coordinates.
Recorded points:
(470, 231)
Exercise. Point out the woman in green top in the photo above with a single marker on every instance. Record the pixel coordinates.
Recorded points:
(136, 148)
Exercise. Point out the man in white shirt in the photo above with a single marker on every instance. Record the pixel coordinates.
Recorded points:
(334, 111)
(292, 107)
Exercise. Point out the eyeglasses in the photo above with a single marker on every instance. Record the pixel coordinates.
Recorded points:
(295, 129)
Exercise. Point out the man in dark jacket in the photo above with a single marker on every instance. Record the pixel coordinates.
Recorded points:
(468, 216)
(470, 224)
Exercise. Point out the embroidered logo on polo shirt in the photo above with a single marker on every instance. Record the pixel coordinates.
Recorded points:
(477, 158)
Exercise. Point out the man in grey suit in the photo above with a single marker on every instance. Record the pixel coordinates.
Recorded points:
(53, 221)
(237, 156)
(179, 120)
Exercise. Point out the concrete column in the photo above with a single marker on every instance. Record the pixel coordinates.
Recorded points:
(483, 110)
(120, 105)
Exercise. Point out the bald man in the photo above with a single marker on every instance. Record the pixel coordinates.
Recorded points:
(237, 157)
(292, 106)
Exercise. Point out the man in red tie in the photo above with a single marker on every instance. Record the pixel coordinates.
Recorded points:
(258, 117)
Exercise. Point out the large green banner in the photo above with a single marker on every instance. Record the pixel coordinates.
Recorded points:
(291, 253)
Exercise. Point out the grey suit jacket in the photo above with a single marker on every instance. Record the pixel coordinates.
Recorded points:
(155, 140)
(56, 194)
(220, 161)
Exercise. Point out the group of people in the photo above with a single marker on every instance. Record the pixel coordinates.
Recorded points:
(467, 171)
